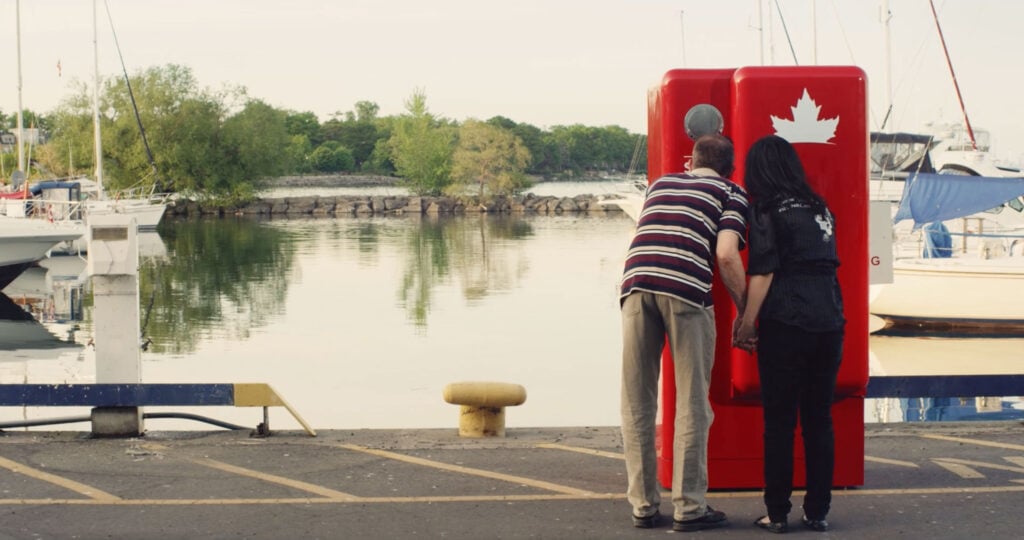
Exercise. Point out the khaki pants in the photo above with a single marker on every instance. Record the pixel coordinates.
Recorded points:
(647, 319)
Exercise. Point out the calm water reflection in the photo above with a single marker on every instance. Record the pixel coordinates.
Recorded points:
(360, 322)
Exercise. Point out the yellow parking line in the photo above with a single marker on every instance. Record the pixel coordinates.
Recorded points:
(468, 470)
(1015, 459)
(930, 491)
(958, 469)
(483, 498)
(588, 451)
(980, 464)
(891, 462)
(975, 442)
(297, 484)
(266, 477)
(318, 500)
(77, 487)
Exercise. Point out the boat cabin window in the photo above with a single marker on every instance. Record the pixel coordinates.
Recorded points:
(962, 140)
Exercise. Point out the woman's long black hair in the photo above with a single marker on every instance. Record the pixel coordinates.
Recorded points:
(773, 172)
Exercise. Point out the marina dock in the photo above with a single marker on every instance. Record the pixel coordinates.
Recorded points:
(935, 480)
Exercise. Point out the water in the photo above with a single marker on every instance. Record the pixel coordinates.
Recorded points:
(540, 189)
(361, 322)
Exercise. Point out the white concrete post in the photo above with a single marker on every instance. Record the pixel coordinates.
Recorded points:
(113, 265)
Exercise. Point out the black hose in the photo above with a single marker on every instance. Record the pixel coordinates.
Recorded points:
(75, 419)
(196, 417)
(44, 422)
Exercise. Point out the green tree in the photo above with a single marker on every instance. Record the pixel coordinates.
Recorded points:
(299, 149)
(489, 158)
(181, 123)
(356, 130)
(542, 152)
(380, 158)
(257, 141)
(304, 123)
(421, 148)
(332, 157)
(182, 126)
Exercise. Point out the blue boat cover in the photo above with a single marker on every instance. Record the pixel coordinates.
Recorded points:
(38, 187)
(929, 197)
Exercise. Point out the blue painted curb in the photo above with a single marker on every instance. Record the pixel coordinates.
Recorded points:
(946, 386)
(116, 395)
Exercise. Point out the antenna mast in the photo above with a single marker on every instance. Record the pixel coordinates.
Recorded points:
(21, 122)
(886, 16)
(97, 141)
(959, 96)
(682, 34)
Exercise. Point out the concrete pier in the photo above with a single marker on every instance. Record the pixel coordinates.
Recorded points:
(933, 481)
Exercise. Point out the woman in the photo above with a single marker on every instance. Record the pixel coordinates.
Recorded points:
(794, 319)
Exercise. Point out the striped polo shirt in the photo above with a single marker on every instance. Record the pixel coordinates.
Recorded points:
(673, 248)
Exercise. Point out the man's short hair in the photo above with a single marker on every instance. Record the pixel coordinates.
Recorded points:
(714, 152)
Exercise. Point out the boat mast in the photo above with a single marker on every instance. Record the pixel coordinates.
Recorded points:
(814, 32)
(760, 29)
(96, 105)
(682, 34)
(886, 17)
(959, 96)
(21, 121)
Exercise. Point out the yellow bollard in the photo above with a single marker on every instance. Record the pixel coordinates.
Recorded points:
(482, 412)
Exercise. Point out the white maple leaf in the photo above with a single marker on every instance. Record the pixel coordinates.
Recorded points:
(805, 125)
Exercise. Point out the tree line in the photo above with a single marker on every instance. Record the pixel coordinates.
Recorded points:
(224, 142)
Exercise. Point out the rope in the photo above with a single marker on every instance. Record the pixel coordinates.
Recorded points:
(128, 84)
(949, 62)
(149, 310)
(786, 30)
(986, 235)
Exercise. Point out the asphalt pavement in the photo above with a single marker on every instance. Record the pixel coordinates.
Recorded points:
(929, 481)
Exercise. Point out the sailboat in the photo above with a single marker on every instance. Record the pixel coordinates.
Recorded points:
(959, 228)
(26, 236)
(148, 210)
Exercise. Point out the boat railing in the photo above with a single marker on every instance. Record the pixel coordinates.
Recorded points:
(44, 209)
(142, 192)
(976, 235)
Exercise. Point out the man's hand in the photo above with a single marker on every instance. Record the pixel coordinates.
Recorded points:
(744, 335)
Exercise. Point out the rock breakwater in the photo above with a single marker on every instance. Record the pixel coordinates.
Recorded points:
(345, 205)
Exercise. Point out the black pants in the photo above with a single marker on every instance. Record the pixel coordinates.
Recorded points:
(798, 376)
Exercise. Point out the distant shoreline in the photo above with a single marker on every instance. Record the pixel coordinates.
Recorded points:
(332, 180)
(371, 180)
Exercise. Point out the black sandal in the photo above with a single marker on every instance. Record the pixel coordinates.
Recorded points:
(766, 523)
(819, 525)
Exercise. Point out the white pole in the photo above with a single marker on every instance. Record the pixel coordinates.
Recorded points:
(886, 16)
(113, 268)
(682, 34)
(96, 106)
(21, 121)
(760, 29)
(814, 32)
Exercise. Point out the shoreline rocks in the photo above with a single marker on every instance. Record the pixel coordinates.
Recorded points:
(360, 205)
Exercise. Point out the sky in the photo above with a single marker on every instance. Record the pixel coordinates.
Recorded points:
(542, 62)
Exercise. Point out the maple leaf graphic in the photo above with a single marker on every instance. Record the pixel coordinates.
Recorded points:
(805, 125)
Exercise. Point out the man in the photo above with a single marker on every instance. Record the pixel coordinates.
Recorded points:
(689, 223)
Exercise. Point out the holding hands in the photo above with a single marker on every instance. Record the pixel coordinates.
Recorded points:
(744, 334)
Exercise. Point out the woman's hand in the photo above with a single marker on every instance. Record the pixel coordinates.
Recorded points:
(744, 335)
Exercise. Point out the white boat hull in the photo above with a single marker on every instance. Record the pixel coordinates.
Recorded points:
(147, 214)
(25, 240)
(956, 291)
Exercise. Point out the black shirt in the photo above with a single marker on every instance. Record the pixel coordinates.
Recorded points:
(796, 243)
